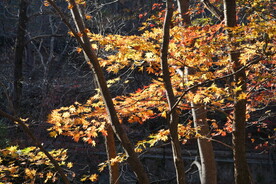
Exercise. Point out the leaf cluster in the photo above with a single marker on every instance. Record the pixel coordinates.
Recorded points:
(29, 165)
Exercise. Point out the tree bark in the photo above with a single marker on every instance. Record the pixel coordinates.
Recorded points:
(208, 171)
(132, 157)
(241, 171)
(19, 54)
(173, 119)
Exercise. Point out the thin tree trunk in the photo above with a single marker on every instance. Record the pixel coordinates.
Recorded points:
(174, 119)
(19, 54)
(109, 139)
(208, 171)
(241, 171)
(132, 157)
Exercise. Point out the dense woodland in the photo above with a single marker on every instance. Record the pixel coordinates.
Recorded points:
(120, 91)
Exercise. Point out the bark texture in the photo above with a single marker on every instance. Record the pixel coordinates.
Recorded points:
(174, 119)
(241, 172)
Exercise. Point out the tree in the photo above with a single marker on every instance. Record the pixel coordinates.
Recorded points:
(241, 171)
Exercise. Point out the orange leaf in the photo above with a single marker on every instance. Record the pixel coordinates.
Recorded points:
(70, 6)
(46, 3)
(88, 17)
(79, 50)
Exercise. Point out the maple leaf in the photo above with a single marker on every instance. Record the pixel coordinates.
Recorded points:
(242, 96)
(93, 177)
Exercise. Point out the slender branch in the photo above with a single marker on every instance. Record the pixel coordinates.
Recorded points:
(215, 140)
(38, 144)
(43, 36)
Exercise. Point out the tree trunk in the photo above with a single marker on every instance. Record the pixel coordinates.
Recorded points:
(110, 147)
(241, 172)
(208, 171)
(174, 119)
(19, 54)
(132, 157)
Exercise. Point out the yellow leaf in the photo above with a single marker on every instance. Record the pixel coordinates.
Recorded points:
(206, 100)
(239, 88)
(164, 114)
(149, 55)
(196, 98)
(93, 177)
(30, 173)
(69, 164)
(66, 115)
(71, 33)
(242, 96)
(53, 134)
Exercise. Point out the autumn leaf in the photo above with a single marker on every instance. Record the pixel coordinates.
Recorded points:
(88, 17)
(242, 96)
(46, 3)
(70, 6)
(69, 164)
(53, 134)
(93, 177)
(30, 173)
(71, 33)
(78, 49)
